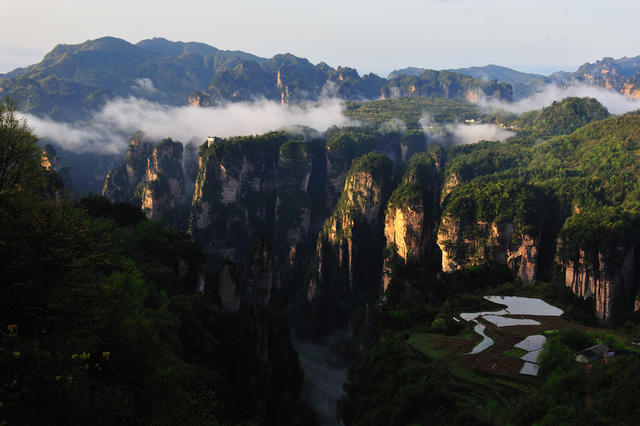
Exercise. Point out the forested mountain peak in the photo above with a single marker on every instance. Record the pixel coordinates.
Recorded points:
(176, 48)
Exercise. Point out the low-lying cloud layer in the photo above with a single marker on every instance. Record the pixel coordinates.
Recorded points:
(615, 102)
(472, 133)
(109, 129)
(462, 133)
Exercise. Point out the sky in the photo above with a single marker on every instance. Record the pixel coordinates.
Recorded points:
(371, 35)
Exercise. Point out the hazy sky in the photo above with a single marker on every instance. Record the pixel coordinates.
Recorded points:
(371, 35)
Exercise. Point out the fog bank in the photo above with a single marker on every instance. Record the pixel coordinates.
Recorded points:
(108, 130)
(462, 133)
(616, 103)
(324, 376)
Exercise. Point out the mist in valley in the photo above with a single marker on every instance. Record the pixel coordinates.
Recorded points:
(324, 375)
(109, 129)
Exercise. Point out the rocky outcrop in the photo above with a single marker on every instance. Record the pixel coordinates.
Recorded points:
(163, 187)
(445, 84)
(411, 218)
(451, 181)
(349, 250)
(121, 183)
(247, 186)
(502, 243)
(200, 99)
(598, 258)
(57, 178)
(609, 288)
(252, 284)
(152, 177)
(522, 257)
(404, 228)
(299, 203)
(620, 75)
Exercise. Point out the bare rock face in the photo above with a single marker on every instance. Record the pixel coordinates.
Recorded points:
(607, 287)
(251, 285)
(349, 256)
(151, 177)
(121, 183)
(613, 75)
(405, 231)
(200, 99)
(523, 258)
(229, 204)
(404, 228)
(163, 194)
(58, 179)
(359, 209)
(350, 245)
(411, 217)
(265, 185)
(261, 273)
(448, 237)
(501, 243)
(450, 182)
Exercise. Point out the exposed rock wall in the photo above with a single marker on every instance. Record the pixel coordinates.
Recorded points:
(613, 75)
(349, 252)
(610, 289)
(58, 179)
(501, 243)
(121, 183)
(255, 186)
(152, 178)
(404, 228)
(162, 189)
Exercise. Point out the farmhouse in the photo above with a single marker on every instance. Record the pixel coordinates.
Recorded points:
(591, 354)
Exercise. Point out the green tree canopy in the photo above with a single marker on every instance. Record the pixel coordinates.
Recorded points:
(19, 152)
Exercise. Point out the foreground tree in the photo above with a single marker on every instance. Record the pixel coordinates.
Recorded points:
(20, 154)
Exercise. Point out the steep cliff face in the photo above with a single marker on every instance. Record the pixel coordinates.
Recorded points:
(360, 205)
(404, 228)
(249, 295)
(250, 285)
(152, 178)
(121, 183)
(504, 222)
(446, 84)
(231, 197)
(293, 204)
(503, 243)
(608, 288)
(349, 251)
(271, 185)
(598, 256)
(411, 218)
(58, 179)
(163, 187)
(200, 99)
(451, 181)
(620, 75)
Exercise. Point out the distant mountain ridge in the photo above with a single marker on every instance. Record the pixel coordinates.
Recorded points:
(73, 80)
(620, 75)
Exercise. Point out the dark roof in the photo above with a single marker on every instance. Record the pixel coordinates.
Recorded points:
(594, 352)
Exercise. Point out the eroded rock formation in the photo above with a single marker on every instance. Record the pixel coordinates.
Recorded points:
(152, 178)
(501, 243)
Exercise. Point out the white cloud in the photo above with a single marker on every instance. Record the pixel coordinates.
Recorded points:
(109, 129)
(144, 85)
(472, 133)
(394, 125)
(615, 102)
(461, 133)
